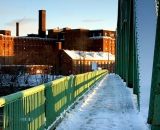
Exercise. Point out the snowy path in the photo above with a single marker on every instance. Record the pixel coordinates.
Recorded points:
(108, 107)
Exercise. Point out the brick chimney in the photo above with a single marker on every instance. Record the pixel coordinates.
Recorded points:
(42, 23)
(17, 29)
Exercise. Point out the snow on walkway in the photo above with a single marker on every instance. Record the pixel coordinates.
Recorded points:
(108, 106)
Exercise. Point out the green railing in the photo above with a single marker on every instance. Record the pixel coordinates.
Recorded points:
(37, 108)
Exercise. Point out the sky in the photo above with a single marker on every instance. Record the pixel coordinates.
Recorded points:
(88, 14)
(146, 30)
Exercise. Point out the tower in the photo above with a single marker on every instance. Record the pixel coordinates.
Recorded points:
(42, 23)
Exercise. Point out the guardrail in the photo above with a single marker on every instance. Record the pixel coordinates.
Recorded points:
(38, 107)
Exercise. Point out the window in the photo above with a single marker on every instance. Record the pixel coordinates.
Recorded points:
(102, 64)
(7, 53)
(75, 63)
(4, 53)
(112, 35)
(79, 63)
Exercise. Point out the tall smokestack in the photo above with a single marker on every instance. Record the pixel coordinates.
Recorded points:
(42, 23)
(17, 29)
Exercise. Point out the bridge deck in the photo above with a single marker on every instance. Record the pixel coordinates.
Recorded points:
(108, 107)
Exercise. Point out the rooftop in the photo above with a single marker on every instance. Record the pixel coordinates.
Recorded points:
(90, 55)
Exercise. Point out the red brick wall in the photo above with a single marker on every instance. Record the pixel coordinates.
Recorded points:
(6, 49)
(66, 64)
(83, 66)
(5, 32)
(76, 39)
(11, 47)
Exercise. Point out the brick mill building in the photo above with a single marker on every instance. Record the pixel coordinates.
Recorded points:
(41, 49)
(75, 62)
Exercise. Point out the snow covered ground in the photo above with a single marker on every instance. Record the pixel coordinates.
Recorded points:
(28, 80)
(110, 105)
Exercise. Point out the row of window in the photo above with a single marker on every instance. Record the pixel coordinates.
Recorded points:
(110, 41)
(89, 63)
(28, 40)
(105, 34)
(9, 39)
(6, 52)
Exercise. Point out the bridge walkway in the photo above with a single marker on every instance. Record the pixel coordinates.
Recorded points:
(109, 106)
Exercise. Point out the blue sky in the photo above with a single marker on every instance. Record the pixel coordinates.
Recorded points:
(89, 14)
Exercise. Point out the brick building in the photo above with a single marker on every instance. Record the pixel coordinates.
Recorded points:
(14, 46)
(84, 39)
(76, 62)
(28, 51)
(102, 40)
(77, 39)
(41, 49)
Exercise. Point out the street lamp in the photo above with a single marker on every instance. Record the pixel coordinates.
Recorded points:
(108, 60)
(84, 56)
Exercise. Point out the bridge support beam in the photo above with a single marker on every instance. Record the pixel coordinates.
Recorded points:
(154, 106)
(126, 45)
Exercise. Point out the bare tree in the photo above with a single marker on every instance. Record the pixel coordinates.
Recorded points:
(18, 69)
(84, 45)
(49, 59)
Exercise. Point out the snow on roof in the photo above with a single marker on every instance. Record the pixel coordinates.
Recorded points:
(90, 55)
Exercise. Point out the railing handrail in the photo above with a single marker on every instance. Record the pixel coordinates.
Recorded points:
(9, 98)
(45, 101)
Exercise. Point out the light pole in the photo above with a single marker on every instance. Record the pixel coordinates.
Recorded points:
(84, 56)
(108, 61)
